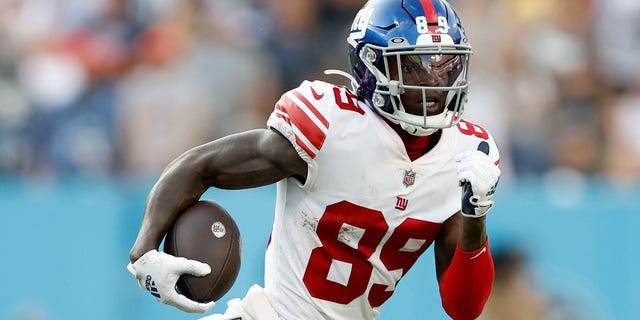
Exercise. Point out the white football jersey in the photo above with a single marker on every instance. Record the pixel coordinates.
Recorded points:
(341, 242)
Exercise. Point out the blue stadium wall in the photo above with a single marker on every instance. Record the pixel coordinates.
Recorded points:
(65, 247)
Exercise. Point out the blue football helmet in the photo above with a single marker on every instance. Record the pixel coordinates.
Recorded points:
(410, 61)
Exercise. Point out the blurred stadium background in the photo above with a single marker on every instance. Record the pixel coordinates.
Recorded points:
(97, 96)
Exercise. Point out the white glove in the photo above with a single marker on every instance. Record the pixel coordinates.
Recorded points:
(158, 273)
(478, 176)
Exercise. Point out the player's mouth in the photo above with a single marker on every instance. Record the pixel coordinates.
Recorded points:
(432, 104)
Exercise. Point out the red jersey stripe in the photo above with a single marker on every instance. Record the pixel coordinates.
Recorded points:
(301, 120)
(299, 141)
(305, 147)
(312, 108)
(430, 14)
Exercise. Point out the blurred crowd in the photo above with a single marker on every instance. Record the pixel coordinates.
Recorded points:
(518, 295)
(117, 87)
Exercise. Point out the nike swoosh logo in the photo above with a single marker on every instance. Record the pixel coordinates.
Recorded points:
(316, 95)
(479, 253)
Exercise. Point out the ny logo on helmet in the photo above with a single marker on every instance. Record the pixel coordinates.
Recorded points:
(359, 26)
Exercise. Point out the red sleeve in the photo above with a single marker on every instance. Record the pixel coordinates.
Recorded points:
(466, 284)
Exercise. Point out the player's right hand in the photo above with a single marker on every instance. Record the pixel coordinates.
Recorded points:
(158, 273)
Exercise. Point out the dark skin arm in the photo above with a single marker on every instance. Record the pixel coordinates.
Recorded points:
(245, 160)
(469, 232)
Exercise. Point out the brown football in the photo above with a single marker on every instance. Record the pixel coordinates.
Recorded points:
(207, 233)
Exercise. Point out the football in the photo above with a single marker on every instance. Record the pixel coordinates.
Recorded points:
(207, 233)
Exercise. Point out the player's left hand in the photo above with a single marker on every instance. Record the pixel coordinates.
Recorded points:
(158, 273)
(478, 176)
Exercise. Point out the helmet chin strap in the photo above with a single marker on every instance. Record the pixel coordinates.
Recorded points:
(411, 123)
(406, 120)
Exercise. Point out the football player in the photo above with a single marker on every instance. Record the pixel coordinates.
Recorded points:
(367, 177)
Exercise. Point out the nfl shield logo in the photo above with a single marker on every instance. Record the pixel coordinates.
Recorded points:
(409, 178)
